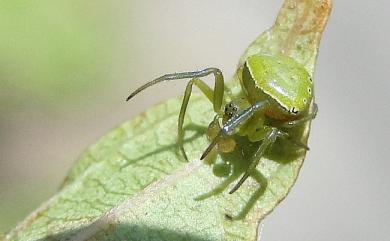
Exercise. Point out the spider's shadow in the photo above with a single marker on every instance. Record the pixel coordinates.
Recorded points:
(232, 165)
(198, 132)
(130, 232)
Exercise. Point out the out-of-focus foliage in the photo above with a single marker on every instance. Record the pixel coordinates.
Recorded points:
(53, 54)
(51, 50)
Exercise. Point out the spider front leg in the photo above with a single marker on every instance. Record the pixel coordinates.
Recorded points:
(310, 116)
(231, 126)
(291, 124)
(215, 96)
(270, 137)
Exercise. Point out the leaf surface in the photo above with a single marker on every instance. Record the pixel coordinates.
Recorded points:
(135, 185)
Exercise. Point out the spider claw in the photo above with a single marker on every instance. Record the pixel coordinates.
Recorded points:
(184, 153)
(209, 148)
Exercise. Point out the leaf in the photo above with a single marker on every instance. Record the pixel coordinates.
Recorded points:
(134, 184)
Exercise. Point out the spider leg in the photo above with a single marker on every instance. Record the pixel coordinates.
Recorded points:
(268, 140)
(215, 96)
(208, 92)
(232, 124)
(310, 116)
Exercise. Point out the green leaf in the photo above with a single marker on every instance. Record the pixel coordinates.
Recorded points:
(134, 184)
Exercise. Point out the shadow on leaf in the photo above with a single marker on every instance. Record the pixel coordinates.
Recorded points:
(198, 132)
(129, 232)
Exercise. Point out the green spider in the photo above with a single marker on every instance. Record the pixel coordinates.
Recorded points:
(276, 95)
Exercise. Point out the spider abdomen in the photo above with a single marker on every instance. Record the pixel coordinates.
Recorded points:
(281, 80)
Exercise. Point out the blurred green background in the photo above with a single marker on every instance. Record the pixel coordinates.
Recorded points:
(67, 66)
(55, 59)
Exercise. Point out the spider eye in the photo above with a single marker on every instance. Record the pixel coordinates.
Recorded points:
(294, 110)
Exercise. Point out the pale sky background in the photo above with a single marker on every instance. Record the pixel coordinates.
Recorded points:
(343, 192)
